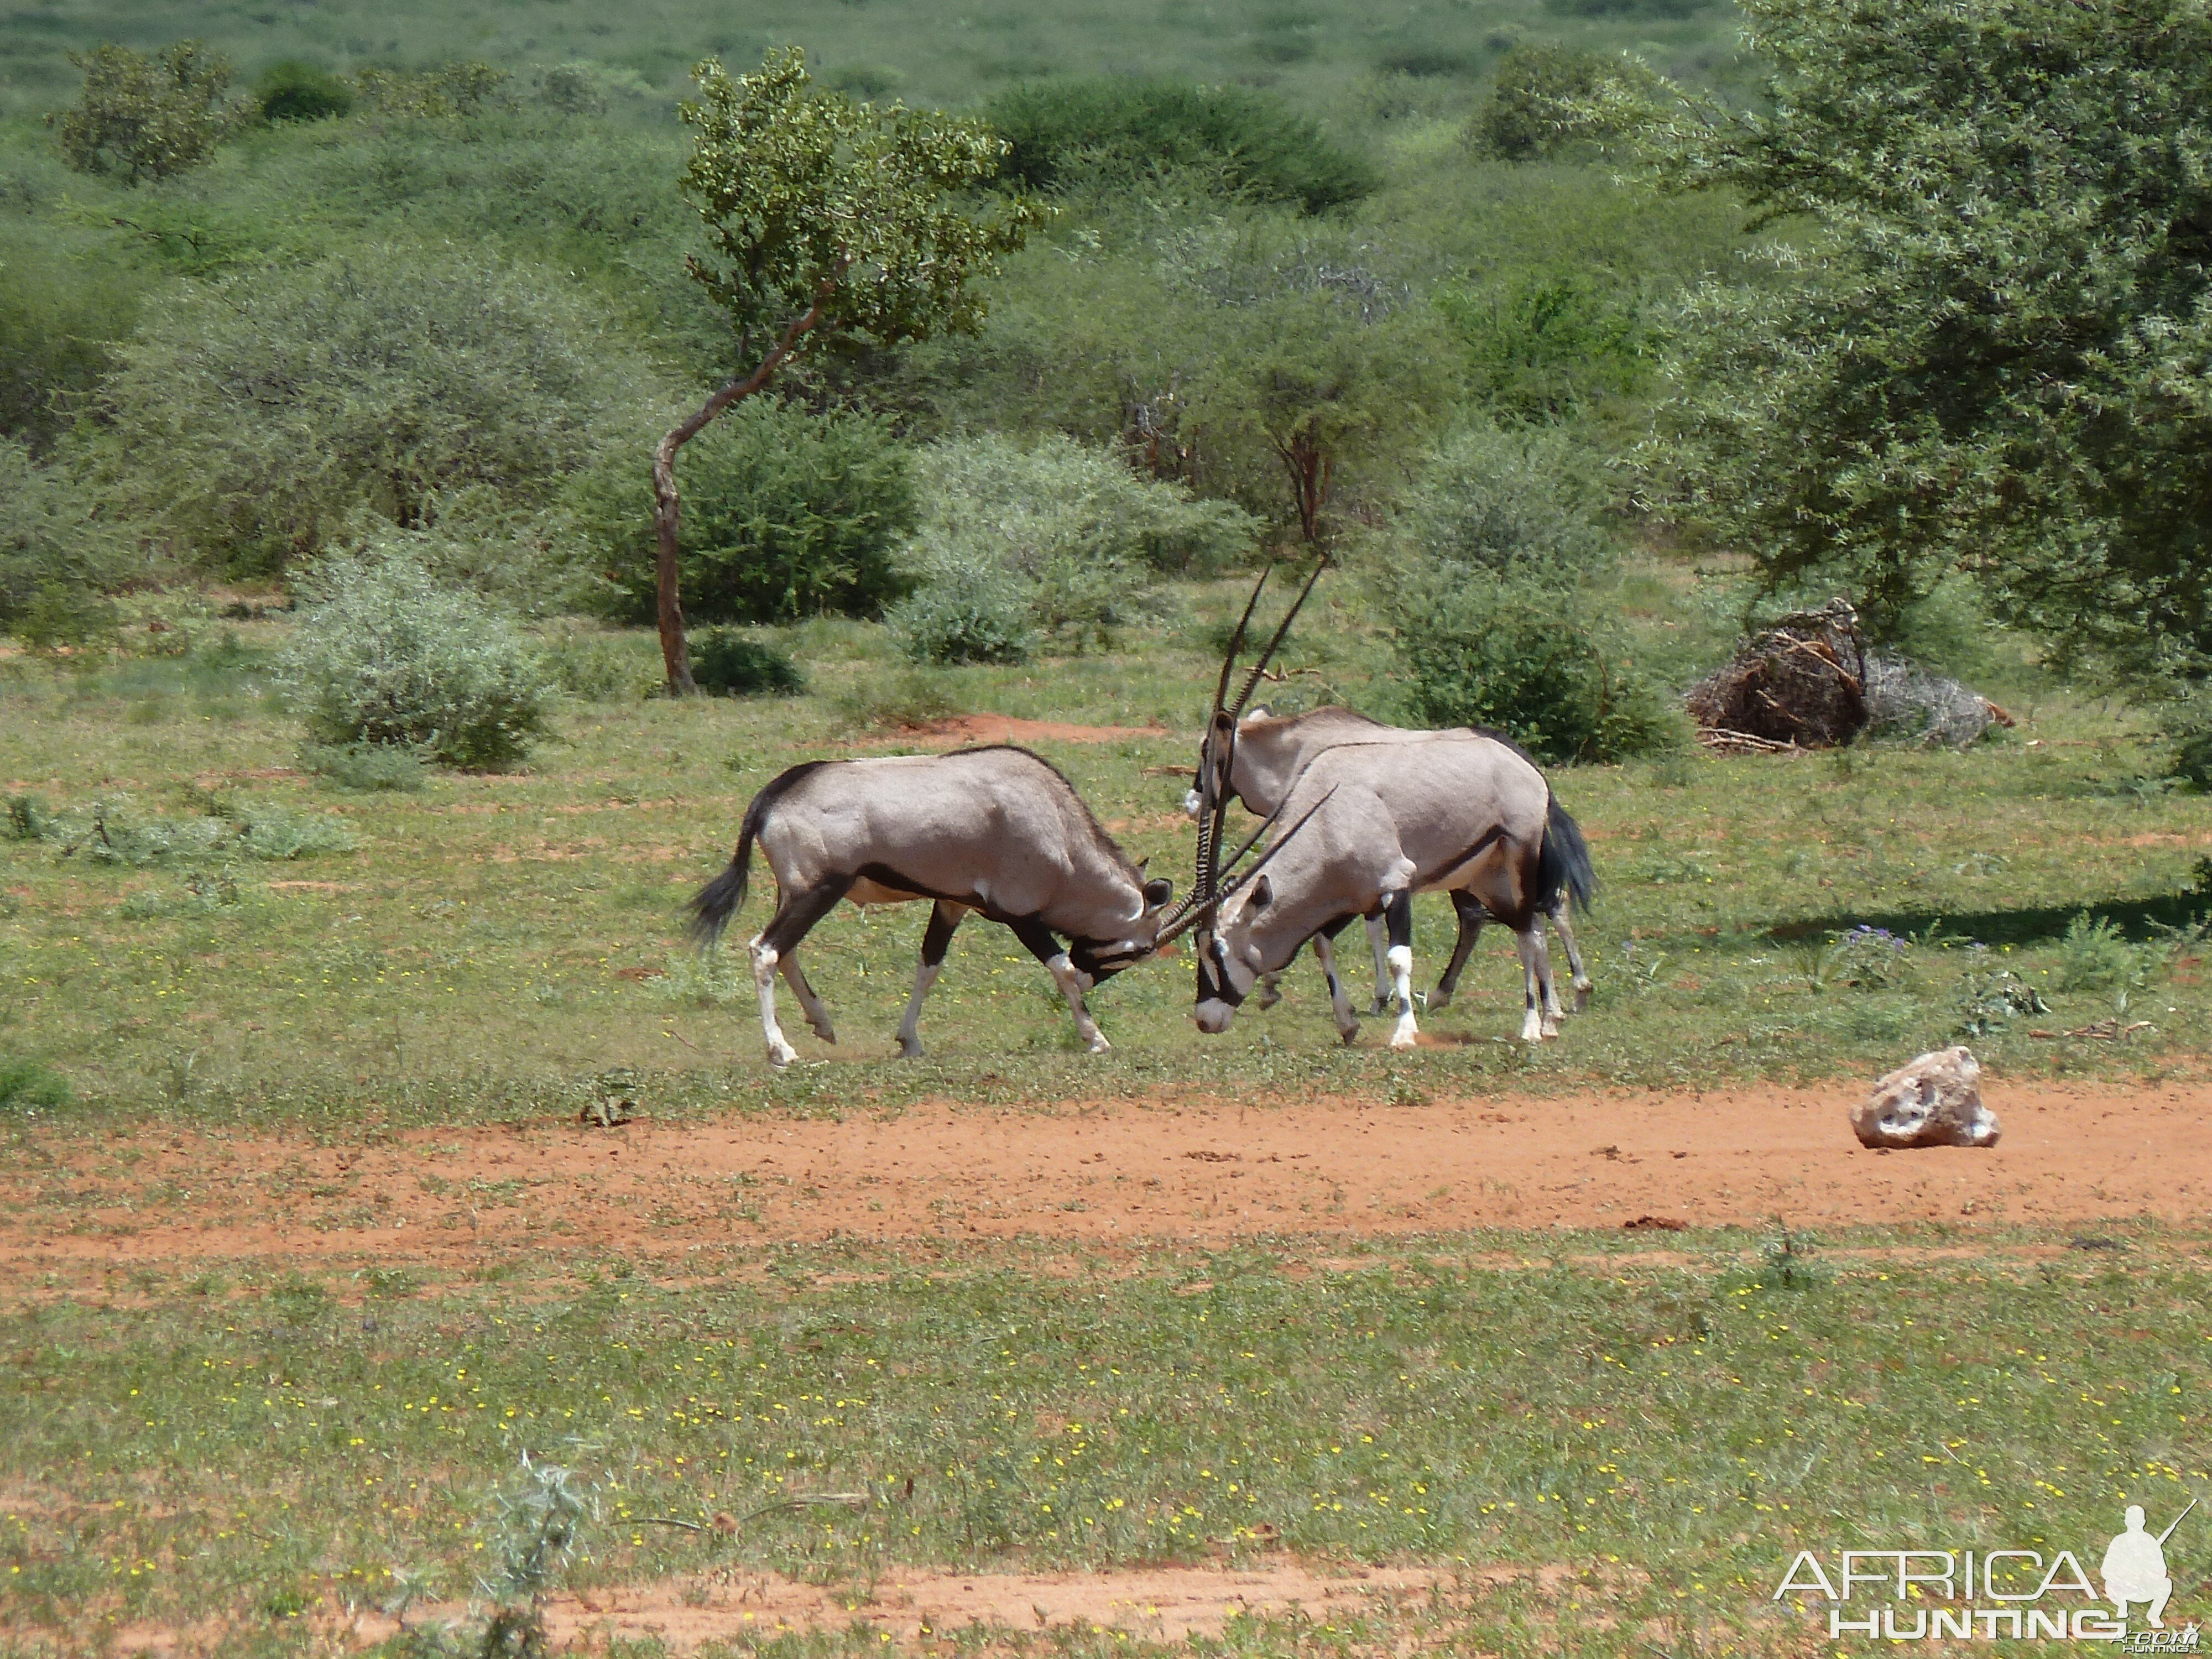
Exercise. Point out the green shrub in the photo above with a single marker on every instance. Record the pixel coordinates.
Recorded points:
(786, 514)
(1527, 115)
(449, 90)
(365, 766)
(602, 667)
(293, 91)
(259, 414)
(2095, 956)
(147, 118)
(1506, 504)
(2187, 726)
(1054, 539)
(387, 655)
(1668, 10)
(56, 554)
(736, 665)
(1514, 656)
(24, 1083)
(964, 612)
(1116, 128)
(1541, 346)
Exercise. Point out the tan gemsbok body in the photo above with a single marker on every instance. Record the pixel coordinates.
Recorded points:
(1271, 751)
(996, 830)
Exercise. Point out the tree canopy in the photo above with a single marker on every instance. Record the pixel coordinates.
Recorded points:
(1994, 350)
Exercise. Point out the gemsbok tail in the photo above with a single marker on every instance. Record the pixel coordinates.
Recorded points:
(713, 905)
(1563, 864)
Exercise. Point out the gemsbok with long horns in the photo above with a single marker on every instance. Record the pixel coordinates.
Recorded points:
(997, 830)
(1271, 749)
(1374, 822)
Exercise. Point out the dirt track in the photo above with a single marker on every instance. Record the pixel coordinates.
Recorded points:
(1116, 1174)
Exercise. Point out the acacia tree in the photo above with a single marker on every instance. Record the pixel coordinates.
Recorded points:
(1996, 352)
(147, 118)
(828, 217)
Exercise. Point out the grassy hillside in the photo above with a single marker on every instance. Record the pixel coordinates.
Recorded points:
(924, 52)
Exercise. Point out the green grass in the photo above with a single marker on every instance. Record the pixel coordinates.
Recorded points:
(1670, 1429)
(492, 941)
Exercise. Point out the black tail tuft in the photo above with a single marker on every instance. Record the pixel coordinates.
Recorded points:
(1564, 864)
(713, 905)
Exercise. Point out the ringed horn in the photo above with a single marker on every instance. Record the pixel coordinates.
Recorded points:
(1217, 758)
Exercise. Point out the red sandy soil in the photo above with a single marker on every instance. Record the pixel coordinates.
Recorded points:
(1109, 1174)
(1161, 1603)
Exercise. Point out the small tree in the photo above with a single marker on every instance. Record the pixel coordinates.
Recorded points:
(147, 118)
(830, 217)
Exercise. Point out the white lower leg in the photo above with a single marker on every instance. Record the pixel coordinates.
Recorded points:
(1072, 985)
(809, 1004)
(1580, 981)
(1401, 988)
(1540, 1000)
(1378, 942)
(779, 1053)
(910, 1027)
(1339, 1003)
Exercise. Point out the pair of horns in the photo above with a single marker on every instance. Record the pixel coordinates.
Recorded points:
(1214, 772)
(1199, 907)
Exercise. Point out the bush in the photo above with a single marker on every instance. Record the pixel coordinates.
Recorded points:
(1514, 505)
(1055, 539)
(365, 766)
(1514, 657)
(1526, 115)
(147, 118)
(25, 1083)
(738, 665)
(55, 554)
(293, 91)
(388, 656)
(786, 514)
(1119, 129)
(259, 414)
(964, 612)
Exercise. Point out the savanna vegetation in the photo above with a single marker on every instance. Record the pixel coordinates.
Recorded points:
(345, 792)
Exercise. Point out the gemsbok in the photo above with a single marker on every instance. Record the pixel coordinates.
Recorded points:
(1460, 811)
(1270, 753)
(996, 830)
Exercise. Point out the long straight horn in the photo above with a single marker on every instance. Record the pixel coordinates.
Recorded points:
(1260, 666)
(1237, 640)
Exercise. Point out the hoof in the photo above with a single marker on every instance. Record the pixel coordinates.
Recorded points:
(910, 1051)
(1439, 997)
(825, 1032)
(1532, 1029)
(1349, 1034)
(782, 1056)
(1379, 1005)
(1551, 1027)
(1267, 998)
(1100, 1046)
(1582, 997)
(1405, 1036)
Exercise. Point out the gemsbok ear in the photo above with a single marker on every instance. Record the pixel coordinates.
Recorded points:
(1263, 894)
(1157, 891)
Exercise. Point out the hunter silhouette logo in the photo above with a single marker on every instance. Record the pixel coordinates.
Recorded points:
(2135, 1567)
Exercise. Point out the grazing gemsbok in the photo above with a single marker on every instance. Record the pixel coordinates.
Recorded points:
(996, 830)
(1270, 753)
(1371, 832)
(1375, 821)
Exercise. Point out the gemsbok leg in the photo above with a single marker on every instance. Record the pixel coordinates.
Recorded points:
(794, 918)
(1472, 915)
(817, 1015)
(1378, 941)
(1073, 983)
(1581, 981)
(1340, 1003)
(1398, 917)
(1542, 1017)
(943, 917)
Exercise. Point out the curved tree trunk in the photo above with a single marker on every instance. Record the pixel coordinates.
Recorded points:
(668, 505)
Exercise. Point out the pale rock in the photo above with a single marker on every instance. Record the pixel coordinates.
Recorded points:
(1935, 1101)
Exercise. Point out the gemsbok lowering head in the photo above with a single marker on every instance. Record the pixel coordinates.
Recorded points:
(1376, 815)
(1271, 751)
(996, 830)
